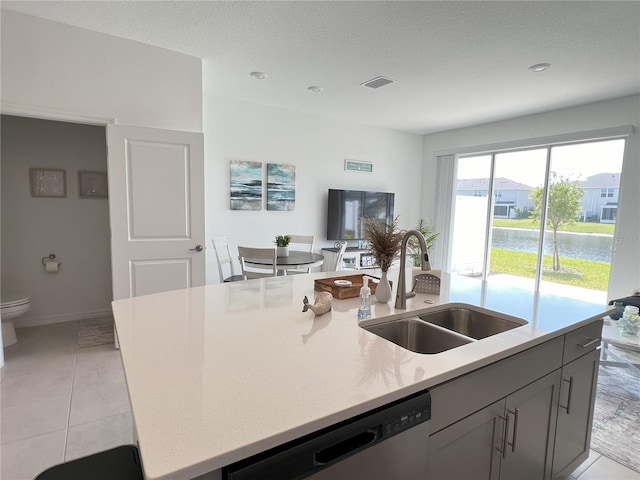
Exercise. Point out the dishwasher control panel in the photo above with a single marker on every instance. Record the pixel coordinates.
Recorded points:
(407, 420)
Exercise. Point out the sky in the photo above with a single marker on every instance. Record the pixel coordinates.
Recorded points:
(577, 161)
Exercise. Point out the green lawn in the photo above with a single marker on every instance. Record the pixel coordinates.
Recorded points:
(582, 227)
(577, 272)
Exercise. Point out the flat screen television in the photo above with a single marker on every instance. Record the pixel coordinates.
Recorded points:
(347, 209)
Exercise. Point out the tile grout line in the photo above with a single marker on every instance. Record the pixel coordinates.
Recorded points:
(66, 430)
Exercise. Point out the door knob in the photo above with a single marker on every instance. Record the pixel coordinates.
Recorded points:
(198, 248)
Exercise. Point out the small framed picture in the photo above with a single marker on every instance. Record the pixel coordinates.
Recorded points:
(92, 184)
(48, 182)
(358, 166)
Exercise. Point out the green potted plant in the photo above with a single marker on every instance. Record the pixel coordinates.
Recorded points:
(430, 237)
(282, 242)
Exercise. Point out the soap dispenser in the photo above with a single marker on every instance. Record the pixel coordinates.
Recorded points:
(364, 311)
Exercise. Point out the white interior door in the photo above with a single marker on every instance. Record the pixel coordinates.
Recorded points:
(156, 205)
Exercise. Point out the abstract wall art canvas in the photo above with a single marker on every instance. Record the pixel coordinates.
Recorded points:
(246, 185)
(281, 187)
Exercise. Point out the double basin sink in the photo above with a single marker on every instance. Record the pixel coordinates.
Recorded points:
(444, 327)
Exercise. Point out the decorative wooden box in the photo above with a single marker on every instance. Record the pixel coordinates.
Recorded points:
(327, 285)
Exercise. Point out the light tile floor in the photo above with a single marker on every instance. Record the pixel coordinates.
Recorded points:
(60, 402)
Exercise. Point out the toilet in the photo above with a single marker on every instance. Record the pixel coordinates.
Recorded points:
(13, 306)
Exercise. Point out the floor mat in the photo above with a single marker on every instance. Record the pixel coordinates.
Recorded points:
(95, 331)
(617, 415)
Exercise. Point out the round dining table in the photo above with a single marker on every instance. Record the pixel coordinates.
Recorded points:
(295, 260)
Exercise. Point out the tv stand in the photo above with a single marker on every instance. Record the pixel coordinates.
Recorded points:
(354, 258)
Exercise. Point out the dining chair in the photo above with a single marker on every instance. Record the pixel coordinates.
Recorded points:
(253, 270)
(343, 248)
(306, 245)
(223, 255)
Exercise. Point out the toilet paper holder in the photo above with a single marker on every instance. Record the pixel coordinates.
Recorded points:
(51, 256)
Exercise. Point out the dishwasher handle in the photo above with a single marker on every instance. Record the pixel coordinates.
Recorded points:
(333, 452)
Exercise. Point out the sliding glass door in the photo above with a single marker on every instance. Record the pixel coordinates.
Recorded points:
(584, 186)
(543, 218)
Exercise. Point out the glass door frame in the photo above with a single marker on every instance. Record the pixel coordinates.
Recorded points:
(450, 173)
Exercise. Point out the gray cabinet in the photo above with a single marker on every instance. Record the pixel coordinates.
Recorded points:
(469, 449)
(509, 439)
(575, 415)
(527, 447)
(528, 416)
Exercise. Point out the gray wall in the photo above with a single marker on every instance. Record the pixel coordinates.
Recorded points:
(75, 229)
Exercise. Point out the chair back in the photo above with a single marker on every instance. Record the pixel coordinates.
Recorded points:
(306, 245)
(223, 256)
(252, 270)
(343, 248)
(305, 240)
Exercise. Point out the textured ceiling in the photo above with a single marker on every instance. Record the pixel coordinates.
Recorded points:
(454, 63)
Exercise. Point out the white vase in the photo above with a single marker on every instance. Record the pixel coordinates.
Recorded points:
(283, 251)
(383, 290)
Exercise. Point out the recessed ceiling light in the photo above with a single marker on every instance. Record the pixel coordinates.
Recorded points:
(258, 75)
(315, 89)
(539, 67)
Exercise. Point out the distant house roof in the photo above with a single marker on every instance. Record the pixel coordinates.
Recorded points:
(500, 183)
(601, 180)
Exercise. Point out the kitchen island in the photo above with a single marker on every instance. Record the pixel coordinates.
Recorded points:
(222, 372)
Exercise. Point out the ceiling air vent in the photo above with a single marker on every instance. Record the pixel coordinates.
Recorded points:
(377, 82)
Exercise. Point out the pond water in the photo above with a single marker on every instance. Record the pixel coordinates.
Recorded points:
(572, 245)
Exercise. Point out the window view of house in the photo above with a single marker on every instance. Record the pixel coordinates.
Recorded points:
(503, 198)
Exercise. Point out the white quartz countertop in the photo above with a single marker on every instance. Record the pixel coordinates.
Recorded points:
(222, 372)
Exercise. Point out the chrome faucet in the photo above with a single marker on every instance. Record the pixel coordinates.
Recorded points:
(401, 295)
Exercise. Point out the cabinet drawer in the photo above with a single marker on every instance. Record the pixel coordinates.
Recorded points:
(582, 341)
(464, 395)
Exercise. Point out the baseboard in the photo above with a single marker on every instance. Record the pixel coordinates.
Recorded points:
(60, 318)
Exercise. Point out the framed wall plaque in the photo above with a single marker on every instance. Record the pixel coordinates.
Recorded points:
(92, 184)
(48, 182)
(358, 166)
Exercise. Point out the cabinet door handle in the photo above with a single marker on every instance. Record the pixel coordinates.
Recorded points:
(568, 407)
(589, 343)
(504, 437)
(516, 413)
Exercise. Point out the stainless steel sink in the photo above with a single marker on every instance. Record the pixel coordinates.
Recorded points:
(443, 328)
(471, 321)
(418, 336)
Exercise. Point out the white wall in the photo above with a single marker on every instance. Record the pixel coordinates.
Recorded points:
(54, 67)
(317, 146)
(52, 70)
(76, 230)
(625, 268)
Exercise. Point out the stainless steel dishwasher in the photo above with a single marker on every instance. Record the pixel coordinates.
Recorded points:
(387, 443)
